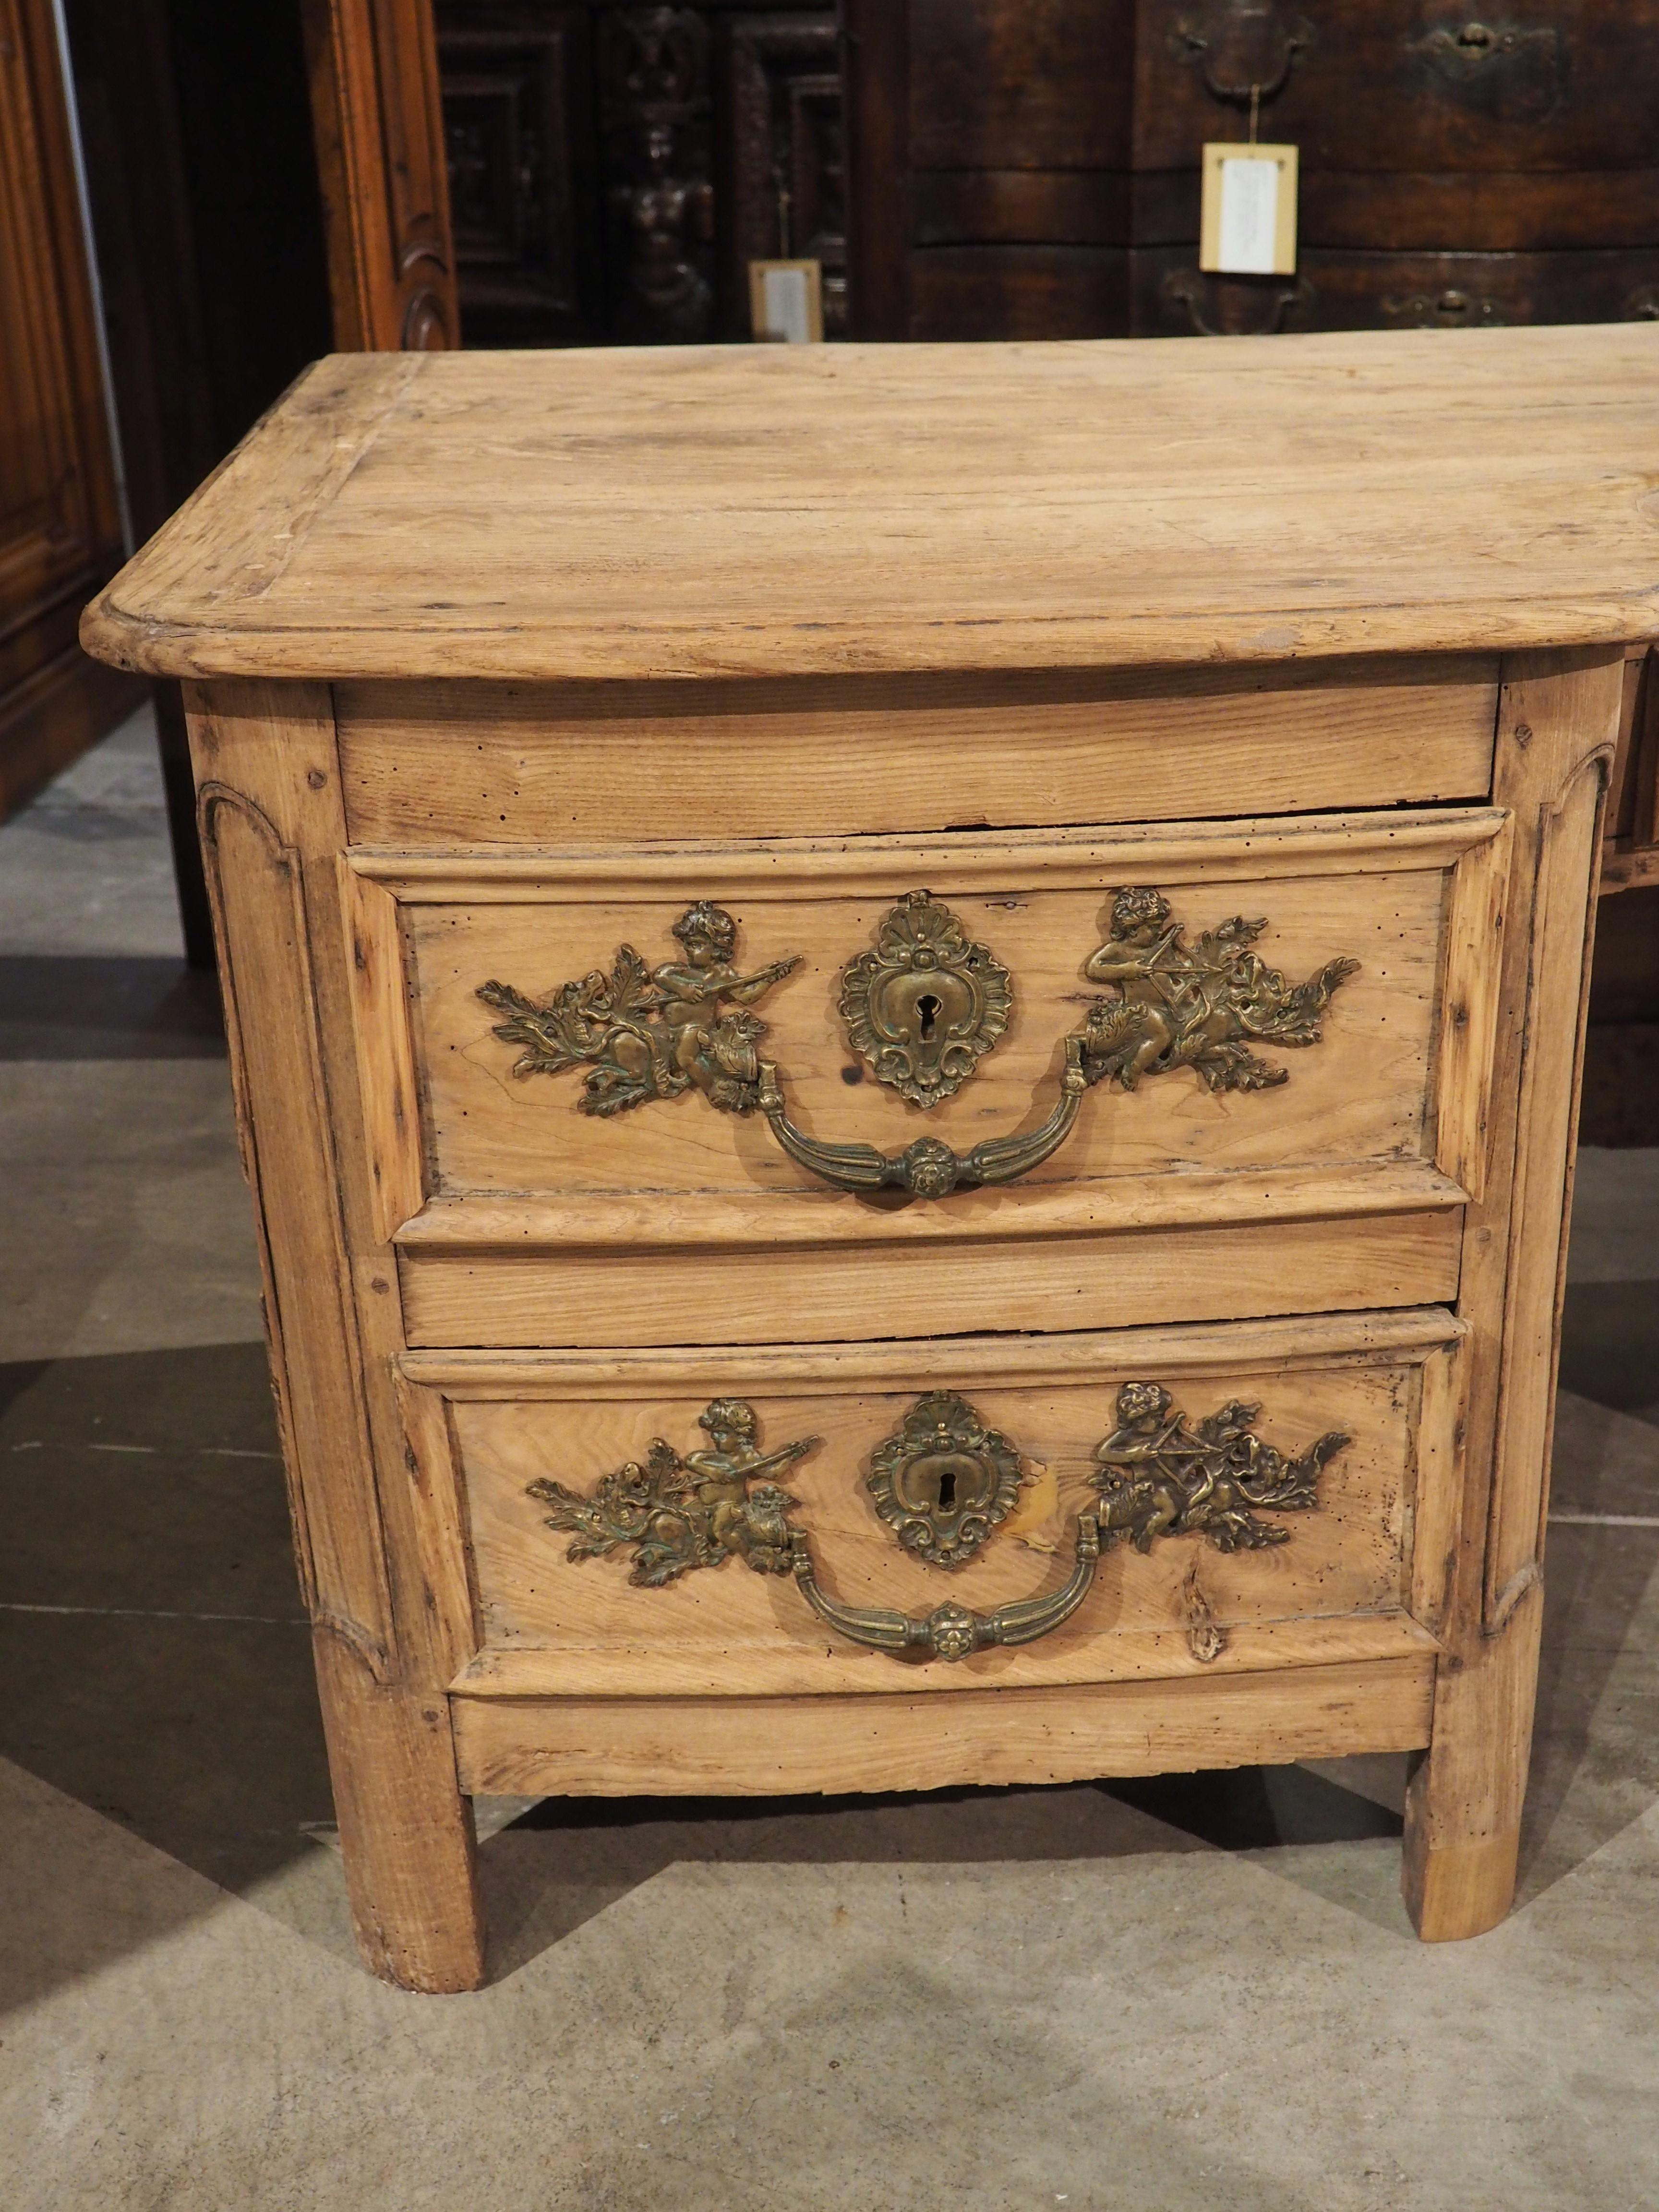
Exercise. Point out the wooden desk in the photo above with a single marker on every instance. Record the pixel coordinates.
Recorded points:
(1099, 1317)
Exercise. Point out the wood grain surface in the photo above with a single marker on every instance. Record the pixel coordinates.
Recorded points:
(613, 1747)
(1112, 1279)
(1396, 1078)
(776, 510)
(455, 764)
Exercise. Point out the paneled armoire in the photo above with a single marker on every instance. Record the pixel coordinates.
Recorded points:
(613, 169)
(1030, 168)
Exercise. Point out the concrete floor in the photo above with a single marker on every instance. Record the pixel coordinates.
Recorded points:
(1200, 1992)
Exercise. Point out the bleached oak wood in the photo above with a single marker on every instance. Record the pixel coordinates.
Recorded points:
(608, 1748)
(440, 765)
(760, 1295)
(755, 510)
(266, 766)
(1556, 735)
(800, 629)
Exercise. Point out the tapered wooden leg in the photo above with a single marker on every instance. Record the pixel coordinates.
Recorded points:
(405, 1830)
(1464, 1804)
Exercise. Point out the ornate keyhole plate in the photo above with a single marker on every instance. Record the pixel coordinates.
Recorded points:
(927, 1004)
(944, 1480)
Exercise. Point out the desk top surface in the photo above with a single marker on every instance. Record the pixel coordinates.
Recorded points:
(766, 510)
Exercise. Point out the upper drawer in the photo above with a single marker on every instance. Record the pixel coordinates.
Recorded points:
(442, 765)
(1218, 1021)
(1402, 84)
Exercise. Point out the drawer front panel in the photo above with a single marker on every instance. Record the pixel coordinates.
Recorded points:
(950, 1475)
(1397, 84)
(1190, 1029)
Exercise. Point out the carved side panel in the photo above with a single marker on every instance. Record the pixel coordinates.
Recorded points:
(287, 1148)
(787, 155)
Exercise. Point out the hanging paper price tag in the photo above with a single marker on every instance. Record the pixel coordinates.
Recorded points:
(1248, 224)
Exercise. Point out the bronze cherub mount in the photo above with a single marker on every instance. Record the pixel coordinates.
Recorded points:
(647, 1033)
(1160, 1476)
(942, 1482)
(1199, 1006)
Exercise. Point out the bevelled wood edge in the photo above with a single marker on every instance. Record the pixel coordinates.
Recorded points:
(486, 1222)
(1304, 1341)
(1313, 844)
(1028, 513)
(1114, 1657)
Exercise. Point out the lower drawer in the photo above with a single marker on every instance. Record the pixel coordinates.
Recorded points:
(712, 1533)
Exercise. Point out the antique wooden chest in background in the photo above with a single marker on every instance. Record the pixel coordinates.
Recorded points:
(906, 1025)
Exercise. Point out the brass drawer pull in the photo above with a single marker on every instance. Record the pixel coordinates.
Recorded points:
(951, 1631)
(928, 1167)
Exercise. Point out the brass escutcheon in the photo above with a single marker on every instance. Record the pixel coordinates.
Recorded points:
(944, 1480)
(927, 1004)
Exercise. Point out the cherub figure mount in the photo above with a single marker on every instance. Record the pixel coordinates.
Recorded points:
(1199, 1006)
(1158, 1475)
(678, 1514)
(646, 1033)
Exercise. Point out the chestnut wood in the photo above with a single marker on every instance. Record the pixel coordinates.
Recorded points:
(423, 672)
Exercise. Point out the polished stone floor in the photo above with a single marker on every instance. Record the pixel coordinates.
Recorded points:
(1198, 1992)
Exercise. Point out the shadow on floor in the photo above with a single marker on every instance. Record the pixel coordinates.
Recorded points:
(566, 1859)
(156, 1656)
(93, 1006)
(1610, 1345)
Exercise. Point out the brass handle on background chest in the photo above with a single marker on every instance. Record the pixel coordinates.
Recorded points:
(923, 1008)
(1243, 50)
(944, 1483)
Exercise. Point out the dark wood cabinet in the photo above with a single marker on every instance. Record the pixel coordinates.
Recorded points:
(1030, 168)
(60, 518)
(613, 169)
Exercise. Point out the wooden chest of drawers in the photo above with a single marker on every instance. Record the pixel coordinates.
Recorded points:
(906, 1026)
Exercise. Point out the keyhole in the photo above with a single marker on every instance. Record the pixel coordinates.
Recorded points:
(929, 1007)
(947, 1493)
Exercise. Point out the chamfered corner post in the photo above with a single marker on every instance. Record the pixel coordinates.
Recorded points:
(273, 827)
(1557, 729)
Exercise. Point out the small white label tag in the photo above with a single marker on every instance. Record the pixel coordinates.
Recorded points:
(786, 301)
(1247, 225)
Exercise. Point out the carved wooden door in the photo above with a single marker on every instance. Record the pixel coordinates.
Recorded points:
(60, 525)
(615, 165)
(380, 158)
